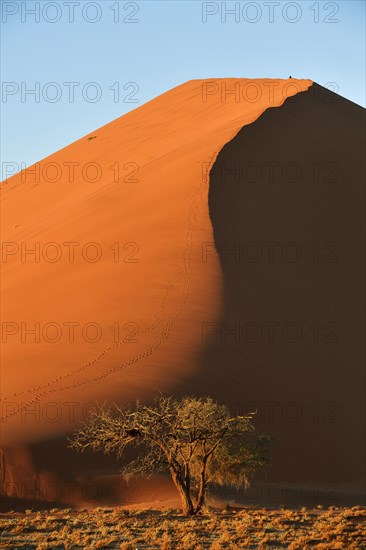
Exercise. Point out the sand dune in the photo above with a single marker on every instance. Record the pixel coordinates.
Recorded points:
(131, 270)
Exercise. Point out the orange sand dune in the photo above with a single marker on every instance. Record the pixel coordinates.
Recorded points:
(153, 293)
(116, 290)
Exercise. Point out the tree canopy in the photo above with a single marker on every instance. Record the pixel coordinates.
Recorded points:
(195, 438)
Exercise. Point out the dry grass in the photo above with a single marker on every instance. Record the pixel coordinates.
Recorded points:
(248, 528)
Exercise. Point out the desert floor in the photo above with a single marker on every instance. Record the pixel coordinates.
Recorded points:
(247, 528)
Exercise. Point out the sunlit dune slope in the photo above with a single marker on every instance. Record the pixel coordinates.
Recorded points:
(110, 304)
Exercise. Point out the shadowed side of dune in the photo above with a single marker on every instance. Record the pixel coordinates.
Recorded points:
(287, 206)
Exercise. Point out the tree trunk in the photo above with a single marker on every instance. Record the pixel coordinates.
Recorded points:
(202, 489)
(187, 505)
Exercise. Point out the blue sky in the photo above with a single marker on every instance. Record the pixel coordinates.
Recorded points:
(144, 48)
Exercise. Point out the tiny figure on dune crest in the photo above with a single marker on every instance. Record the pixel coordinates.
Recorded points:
(196, 439)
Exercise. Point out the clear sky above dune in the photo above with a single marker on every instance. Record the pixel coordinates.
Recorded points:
(133, 51)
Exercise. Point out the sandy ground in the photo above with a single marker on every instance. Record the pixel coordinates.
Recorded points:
(215, 529)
